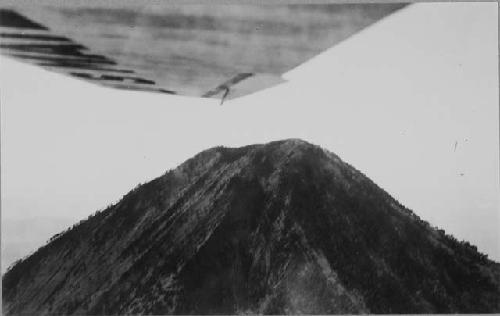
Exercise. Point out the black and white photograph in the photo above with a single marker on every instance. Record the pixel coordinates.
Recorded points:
(228, 157)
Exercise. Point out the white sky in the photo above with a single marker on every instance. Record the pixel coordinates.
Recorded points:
(391, 101)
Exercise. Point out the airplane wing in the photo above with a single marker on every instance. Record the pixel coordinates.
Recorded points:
(200, 50)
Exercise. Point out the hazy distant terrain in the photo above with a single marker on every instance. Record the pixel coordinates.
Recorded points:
(280, 228)
(21, 237)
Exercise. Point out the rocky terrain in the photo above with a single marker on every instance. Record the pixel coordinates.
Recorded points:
(280, 228)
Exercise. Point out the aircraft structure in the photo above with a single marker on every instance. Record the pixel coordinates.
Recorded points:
(221, 51)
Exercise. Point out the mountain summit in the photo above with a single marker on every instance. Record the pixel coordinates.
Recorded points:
(280, 228)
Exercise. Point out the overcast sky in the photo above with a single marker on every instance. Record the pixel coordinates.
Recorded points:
(391, 101)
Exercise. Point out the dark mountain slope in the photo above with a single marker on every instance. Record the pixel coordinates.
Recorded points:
(279, 228)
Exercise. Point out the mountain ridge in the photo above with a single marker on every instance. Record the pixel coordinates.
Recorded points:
(284, 227)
